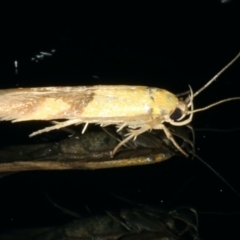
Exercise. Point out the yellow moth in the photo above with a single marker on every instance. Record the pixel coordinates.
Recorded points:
(137, 107)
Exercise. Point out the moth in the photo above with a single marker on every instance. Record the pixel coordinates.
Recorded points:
(138, 108)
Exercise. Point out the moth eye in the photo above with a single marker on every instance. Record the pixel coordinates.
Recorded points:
(177, 113)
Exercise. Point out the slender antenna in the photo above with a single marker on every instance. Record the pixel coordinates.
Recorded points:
(214, 171)
(217, 75)
(214, 104)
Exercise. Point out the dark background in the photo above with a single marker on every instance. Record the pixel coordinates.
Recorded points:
(169, 45)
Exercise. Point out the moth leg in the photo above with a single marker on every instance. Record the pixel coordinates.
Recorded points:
(85, 127)
(121, 126)
(186, 140)
(169, 136)
(105, 124)
(132, 134)
(57, 125)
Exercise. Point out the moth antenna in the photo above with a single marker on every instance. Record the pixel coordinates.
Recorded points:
(182, 94)
(217, 75)
(214, 171)
(217, 130)
(214, 104)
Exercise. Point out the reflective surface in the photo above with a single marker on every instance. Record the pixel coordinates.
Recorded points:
(169, 47)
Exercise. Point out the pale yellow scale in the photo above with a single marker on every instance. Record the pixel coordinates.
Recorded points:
(137, 107)
(112, 103)
(129, 102)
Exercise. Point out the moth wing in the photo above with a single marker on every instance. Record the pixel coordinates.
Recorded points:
(49, 103)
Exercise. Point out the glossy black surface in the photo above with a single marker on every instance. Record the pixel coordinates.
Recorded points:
(169, 46)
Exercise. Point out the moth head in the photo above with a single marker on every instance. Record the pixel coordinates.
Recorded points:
(184, 107)
(180, 111)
